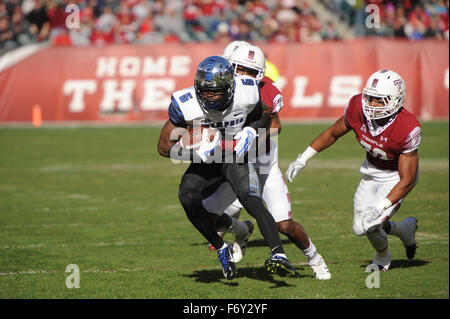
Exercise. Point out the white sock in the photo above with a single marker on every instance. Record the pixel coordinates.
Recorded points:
(311, 251)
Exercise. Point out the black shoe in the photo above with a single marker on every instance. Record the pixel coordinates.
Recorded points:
(411, 226)
(281, 266)
(411, 251)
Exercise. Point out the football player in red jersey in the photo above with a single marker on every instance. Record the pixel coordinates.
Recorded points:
(248, 59)
(391, 137)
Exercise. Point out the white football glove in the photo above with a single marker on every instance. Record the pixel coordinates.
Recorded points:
(375, 216)
(371, 219)
(246, 138)
(206, 147)
(295, 168)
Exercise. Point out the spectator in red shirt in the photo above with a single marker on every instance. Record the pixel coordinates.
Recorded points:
(62, 39)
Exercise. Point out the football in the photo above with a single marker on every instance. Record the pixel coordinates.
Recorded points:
(193, 137)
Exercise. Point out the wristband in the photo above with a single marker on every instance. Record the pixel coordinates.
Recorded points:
(307, 154)
(384, 204)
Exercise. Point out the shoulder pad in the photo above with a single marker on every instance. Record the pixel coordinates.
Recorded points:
(184, 106)
(246, 89)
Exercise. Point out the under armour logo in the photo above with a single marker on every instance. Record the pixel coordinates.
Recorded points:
(383, 139)
(363, 128)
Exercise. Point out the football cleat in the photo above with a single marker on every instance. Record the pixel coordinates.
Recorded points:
(411, 251)
(318, 265)
(226, 259)
(382, 260)
(408, 237)
(281, 266)
(240, 243)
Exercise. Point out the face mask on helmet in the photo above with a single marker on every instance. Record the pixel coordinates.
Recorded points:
(252, 59)
(214, 83)
(384, 95)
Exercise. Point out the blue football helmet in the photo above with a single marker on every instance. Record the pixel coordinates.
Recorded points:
(214, 83)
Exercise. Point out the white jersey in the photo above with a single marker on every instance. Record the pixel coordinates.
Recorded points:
(185, 109)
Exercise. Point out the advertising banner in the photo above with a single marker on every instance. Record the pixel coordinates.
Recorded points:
(126, 83)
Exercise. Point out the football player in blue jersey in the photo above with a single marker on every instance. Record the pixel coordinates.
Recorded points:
(234, 106)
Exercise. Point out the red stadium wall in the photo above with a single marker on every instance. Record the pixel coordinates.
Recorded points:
(121, 83)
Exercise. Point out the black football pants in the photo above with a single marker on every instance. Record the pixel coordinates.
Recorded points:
(200, 180)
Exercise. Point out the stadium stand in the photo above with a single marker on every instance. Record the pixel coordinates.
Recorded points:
(412, 19)
(157, 21)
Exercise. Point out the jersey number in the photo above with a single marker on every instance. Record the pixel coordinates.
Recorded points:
(247, 82)
(185, 97)
(376, 152)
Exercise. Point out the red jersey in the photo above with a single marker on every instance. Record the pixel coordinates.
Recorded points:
(402, 134)
(270, 95)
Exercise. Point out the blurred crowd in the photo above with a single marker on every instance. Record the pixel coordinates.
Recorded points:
(412, 19)
(158, 21)
(99, 22)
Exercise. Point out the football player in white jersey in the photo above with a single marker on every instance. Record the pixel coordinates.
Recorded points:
(249, 60)
(391, 137)
(232, 105)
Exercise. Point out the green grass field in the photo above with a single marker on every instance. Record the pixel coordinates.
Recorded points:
(103, 199)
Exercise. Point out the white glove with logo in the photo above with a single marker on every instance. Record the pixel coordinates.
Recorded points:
(371, 219)
(246, 138)
(208, 147)
(375, 216)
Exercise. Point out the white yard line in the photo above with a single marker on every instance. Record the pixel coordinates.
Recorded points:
(100, 244)
(105, 271)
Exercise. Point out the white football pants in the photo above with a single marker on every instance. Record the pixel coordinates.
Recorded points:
(371, 191)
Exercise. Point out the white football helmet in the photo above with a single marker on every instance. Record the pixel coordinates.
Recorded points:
(389, 88)
(231, 47)
(250, 57)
